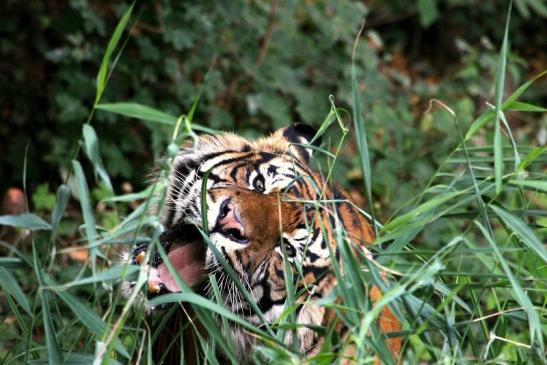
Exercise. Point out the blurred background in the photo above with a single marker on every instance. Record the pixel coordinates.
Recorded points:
(272, 62)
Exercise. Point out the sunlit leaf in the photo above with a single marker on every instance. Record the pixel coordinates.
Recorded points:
(112, 43)
(139, 111)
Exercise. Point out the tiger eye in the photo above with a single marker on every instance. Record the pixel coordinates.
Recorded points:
(258, 184)
(289, 249)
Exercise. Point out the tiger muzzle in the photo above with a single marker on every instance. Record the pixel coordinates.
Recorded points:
(229, 222)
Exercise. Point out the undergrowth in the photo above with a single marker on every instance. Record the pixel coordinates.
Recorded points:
(477, 296)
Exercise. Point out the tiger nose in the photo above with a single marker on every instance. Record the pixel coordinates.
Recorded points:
(229, 222)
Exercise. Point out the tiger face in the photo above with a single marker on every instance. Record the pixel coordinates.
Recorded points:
(260, 205)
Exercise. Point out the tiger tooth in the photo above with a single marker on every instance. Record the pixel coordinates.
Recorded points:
(153, 288)
(140, 257)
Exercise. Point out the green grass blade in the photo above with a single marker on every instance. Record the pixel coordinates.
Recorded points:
(91, 148)
(530, 157)
(87, 211)
(540, 185)
(146, 113)
(203, 313)
(360, 133)
(489, 115)
(139, 111)
(127, 198)
(521, 89)
(500, 82)
(54, 355)
(61, 201)
(207, 304)
(9, 285)
(520, 106)
(522, 231)
(27, 220)
(86, 316)
(112, 43)
(218, 297)
(516, 155)
(480, 122)
(518, 293)
(113, 274)
(11, 262)
(91, 145)
(428, 205)
(228, 270)
(329, 119)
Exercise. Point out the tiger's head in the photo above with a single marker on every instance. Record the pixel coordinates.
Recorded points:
(262, 205)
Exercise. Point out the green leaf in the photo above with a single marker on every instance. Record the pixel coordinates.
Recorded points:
(428, 205)
(539, 7)
(87, 210)
(115, 273)
(42, 198)
(516, 155)
(131, 197)
(520, 106)
(63, 194)
(329, 119)
(521, 89)
(207, 304)
(53, 353)
(489, 115)
(146, 113)
(522, 231)
(87, 317)
(9, 285)
(360, 132)
(531, 157)
(532, 184)
(428, 12)
(500, 82)
(480, 122)
(517, 292)
(11, 262)
(27, 220)
(91, 148)
(103, 69)
(139, 111)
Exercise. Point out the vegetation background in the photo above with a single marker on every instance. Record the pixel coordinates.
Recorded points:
(258, 65)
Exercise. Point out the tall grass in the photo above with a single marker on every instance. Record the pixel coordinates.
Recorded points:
(479, 295)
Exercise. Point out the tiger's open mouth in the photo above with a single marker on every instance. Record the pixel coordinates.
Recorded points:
(186, 252)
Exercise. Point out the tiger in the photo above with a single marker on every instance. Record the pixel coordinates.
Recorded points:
(262, 207)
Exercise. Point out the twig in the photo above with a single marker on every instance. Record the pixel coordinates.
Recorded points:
(268, 36)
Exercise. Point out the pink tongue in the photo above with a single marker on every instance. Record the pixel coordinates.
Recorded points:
(187, 260)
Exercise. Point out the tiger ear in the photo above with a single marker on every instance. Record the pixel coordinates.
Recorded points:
(301, 134)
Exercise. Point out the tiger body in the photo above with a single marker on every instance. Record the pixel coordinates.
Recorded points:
(264, 205)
